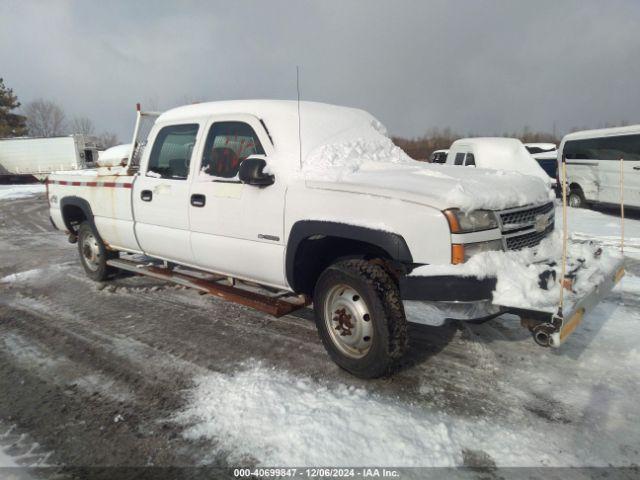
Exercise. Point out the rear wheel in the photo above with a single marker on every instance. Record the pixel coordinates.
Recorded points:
(93, 253)
(360, 317)
(576, 198)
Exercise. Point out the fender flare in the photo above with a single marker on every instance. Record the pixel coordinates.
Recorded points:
(80, 203)
(392, 243)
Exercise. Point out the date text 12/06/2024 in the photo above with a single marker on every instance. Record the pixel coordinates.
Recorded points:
(368, 472)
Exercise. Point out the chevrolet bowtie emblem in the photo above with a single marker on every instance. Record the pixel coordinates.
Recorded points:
(541, 223)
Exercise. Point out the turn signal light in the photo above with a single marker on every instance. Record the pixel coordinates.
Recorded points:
(457, 253)
(454, 225)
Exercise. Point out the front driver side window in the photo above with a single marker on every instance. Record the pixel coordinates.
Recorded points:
(227, 145)
(171, 153)
(459, 159)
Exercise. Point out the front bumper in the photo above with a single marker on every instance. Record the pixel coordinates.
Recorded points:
(589, 279)
(447, 288)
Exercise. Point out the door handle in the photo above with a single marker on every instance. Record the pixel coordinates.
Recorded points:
(198, 200)
(636, 168)
(146, 195)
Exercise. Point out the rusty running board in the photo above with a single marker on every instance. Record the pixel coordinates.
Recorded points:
(268, 304)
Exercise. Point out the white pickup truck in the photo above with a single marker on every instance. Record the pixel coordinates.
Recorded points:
(277, 204)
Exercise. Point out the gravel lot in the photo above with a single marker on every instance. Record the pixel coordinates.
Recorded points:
(135, 372)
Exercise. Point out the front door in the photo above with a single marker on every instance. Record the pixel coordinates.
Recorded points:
(161, 194)
(237, 229)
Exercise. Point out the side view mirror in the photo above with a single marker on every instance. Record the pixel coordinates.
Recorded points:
(252, 172)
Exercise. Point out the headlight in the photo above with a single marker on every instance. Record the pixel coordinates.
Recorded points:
(460, 253)
(465, 222)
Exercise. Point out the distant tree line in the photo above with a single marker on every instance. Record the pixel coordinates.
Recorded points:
(44, 118)
(421, 148)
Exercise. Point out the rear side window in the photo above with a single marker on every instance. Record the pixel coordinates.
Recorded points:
(171, 153)
(227, 145)
(604, 148)
(471, 160)
(459, 159)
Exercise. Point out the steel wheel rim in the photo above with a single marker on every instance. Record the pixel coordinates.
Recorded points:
(348, 321)
(91, 252)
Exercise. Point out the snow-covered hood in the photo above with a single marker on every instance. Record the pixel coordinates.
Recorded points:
(383, 169)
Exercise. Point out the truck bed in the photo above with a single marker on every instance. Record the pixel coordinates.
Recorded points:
(107, 192)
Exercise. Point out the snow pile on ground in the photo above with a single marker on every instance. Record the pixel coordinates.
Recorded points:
(36, 276)
(16, 451)
(602, 228)
(278, 419)
(13, 192)
(21, 276)
(518, 272)
(6, 461)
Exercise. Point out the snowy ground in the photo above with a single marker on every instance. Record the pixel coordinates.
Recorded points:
(136, 372)
(12, 192)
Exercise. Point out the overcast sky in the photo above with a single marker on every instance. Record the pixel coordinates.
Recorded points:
(477, 66)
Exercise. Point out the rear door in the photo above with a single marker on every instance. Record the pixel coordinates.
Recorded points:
(237, 229)
(161, 193)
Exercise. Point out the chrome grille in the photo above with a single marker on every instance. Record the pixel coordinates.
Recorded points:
(515, 219)
(531, 239)
(521, 227)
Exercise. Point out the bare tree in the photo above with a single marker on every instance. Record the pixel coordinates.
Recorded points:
(108, 139)
(82, 125)
(45, 118)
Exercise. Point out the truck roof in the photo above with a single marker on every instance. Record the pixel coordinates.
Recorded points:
(603, 132)
(320, 123)
(501, 153)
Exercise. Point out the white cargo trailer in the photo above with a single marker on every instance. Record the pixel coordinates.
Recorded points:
(20, 157)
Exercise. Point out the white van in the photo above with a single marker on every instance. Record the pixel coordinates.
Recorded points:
(497, 153)
(593, 165)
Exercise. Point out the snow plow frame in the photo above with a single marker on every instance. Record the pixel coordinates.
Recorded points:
(551, 330)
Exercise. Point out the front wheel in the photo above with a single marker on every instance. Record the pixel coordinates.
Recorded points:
(360, 317)
(93, 253)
